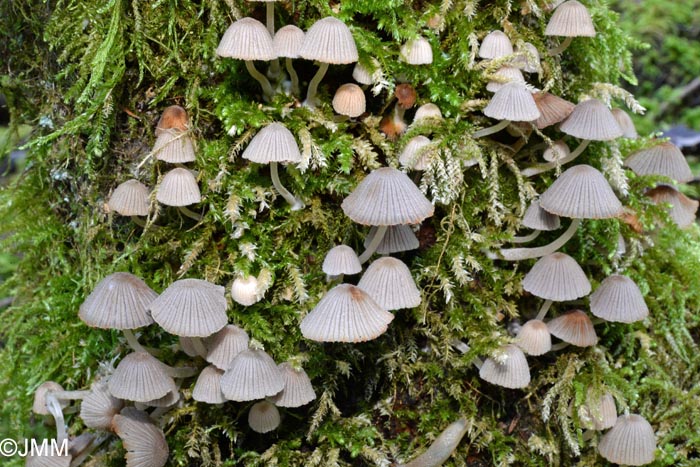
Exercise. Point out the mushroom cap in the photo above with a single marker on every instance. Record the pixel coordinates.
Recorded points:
(140, 377)
(591, 119)
(387, 197)
(253, 374)
(208, 386)
(417, 51)
(263, 417)
(244, 290)
(247, 39)
(426, 111)
(581, 192)
(619, 299)
(361, 74)
(512, 102)
(274, 143)
(174, 146)
(223, 346)
(39, 406)
(143, 441)
(537, 218)
(346, 314)
(683, 209)
(99, 407)
(191, 308)
(329, 40)
(349, 99)
(570, 19)
(663, 159)
(171, 398)
(534, 338)
(119, 301)
(397, 238)
(557, 150)
(389, 282)
(553, 109)
(527, 58)
(626, 123)
(130, 199)
(297, 390)
(630, 442)
(574, 327)
(509, 369)
(173, 117)
(505, 74)
(341, 259)
(557, 277)
(598, 414)
(413, 157)
(47, 460)
(178, 188)
(495, 45)
(287, 41)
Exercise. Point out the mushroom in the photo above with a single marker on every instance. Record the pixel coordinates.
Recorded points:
(414, 156)
(224, 345)
(598, 413)
(397, 238)
(683, 209)
(50, 399)
(663, 159)
(417, 51)
(626, 123)
(630, 442)
(505, 74)
(389, 282)
(557, 151)
(527, 58)
(619, 299)
(173, 117)
(297, 390)
(427, 112)
(507, 368)
(287, 42)
(263, 417)
(574, 327)
(208, 386)
(553, 109)
(538, 219)
(570, 19)
(534, 338)
(143, 441)
(244, 290)
(513, 102)
(363, 75)
(340, 260)
(130, 198)
(253, 374)
(98, 408)
(349, 100)
(496, 44)
(179, 188)
(140, 377)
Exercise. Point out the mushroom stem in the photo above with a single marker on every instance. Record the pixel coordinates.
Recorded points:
(260, 78)
(138, 221)
(55, 410)
(274, 70)
(189, 213)
(374, 244)
(133, 341)
(70, 395)
(519, 254)
(313, 85)
(492, 129)
(293, 76)
(560, 345)
(464, 348)
(539, 168)
(561, 47)
(526, 238)
(336, 278)
(84, 453)
(544, 309)
(443, 446)
(293, 201)
(199, 347)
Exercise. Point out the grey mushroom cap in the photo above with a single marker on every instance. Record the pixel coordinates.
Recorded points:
(253, 374)
(224, 345)
(553, 109)
(263, 417)
(287, 41)
(174, 146)
(329, 40)
(662, 159)
(574, 327)
(130, 198)
(397, 238)
(598, 413)
(557, 277)
(509, 369)
(297, 390)
(48, 460)
(341, 259)
(592, 120)
(570, 19)
(683, 209)
(496, 44)
(389, 282)
(514, 102)
(99, 407)
(247, 39)
(39, 406)
(178, 188)
(534, 338)
(630, 442)
(208, 386)
(143, 441)
(140, 377)
(537, 218)
(619, 299)
(274, 143)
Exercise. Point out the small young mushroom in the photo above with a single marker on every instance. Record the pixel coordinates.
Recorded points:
(505, 74)
(297, 390)
(630, 442)
(287, 42)
(574, 327)
(179, 188)
(598, 413)
(507, 368)
(263, 417)
(389, 282)
(427, 112)
(570, 19)
(341, 260)
(143, 441)
(253, 374)
(683, 209)
(417, 51)
(224, 345)
(208, 386)
(244, 290)
(413, 155)
(349, 100)
(140, 377)
(557, 277)
(527, 58)
(626, 123)
(534, 338)
(130, 198)
(496, 44)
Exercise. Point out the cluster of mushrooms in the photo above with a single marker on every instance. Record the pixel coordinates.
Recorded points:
(393, 206)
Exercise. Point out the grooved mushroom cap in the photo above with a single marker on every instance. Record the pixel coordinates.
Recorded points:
(174, 146)
(361, 74)
(389, 282)
(287, 41)
(47, 460)
(253, 374)
(274, 143)
(341, 259)
(626, 123)
(397, 238)
(534, 338)
(557, 150)
(570, 19)
(581, 192)
(191, 308)
(167, 400)
(557, 277)
(329, 40)
(598, 414)
(208, 386)
(619, 299)
(508, 369)
(346, 314)
(528, 58)
(630, 442)
(223, 346)
(263, 417)
(663, 159)
(297, 390)
(426, 111)
(140, 377)
(505, 74)
(130, 199)
(591, 119)
(413, 157)
(417, 52)
(349, 100)
(40, 394)
(244, 290)
(387, 197)
(512, 102)
(537, 218)
(682, 208)
(172, 118)
(143, 441)
(495, 45)
(247, 39)
(99, 407)
(178, 188)
(119, 301)
(553, 109)
(574, 327)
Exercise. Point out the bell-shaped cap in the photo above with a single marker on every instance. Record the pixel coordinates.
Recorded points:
(557, 277)
(244, 290)
(512, 102)
(287, 41)
(570, 19)
(346, 314)
(119, 301)
(527, 58)
(574, 327)
(495, 45)
(43, 390)
(208, 386)
(341, 259)
(274, 143)
(558, 150)
(174, 147)
(297, 390)
(247, 39)
(387, 197)
(508, 368)
(349, 100)
(683, 209)
(253, 374)
(263, 417)
(417, 51)
(223, 346)
(178, 188)
(581, 192)
(630, 442)
(592, 120)
(626, 123)
(505, 74)
(537, 218)
(362, 75)
(598, 413)
(48, 459)
(143, 441)
(534, 338)
(427, 111)
(553, 109)
(619, 299)
(413, 156)
(130, 199)
(191, 308)
(663, 159)
(140, 377)
(329, 40)
(99, 407)
(389, 282)
(397, 238)
(173, 117)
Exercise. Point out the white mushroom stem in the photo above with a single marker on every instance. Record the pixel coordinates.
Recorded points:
(539, 168)
(189, 213)
(260, 78)
(492, 129)
(526, 238)
(133, 341)
(274, 70)
(313, 85)
(198, 346)
(374, 243)
(54, 408)
(70, 395)
(293, 201)
(561, 47)
(443, 446)
(543, 310)
(138, 221)
(293, 76)
(519, 254)
(560, 346)
(464, 348)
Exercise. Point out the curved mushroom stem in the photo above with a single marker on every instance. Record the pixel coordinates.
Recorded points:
(519, 254)
(374, 244)
(313, 85)
(526, 238)
(189, 213)
(539, 168)
(138, 221)
(133, 341)
(268, 92)
(561, 47)
(464, 348)
(492, 129)
(560, 346)
(56, 411)
(544, 309)
(338, 278)
(293, 76)
(443, 446)
(293, 201)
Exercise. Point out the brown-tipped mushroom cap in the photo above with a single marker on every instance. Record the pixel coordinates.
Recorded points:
(626, 123)
(592, 120)
(417, 52)
(178, 188)
(495, 45)
(553, 109)
(574, 327)
(570, 19)
(253, 374)
(508, 369)
(537, 218)
(247, 39)
(662, 159)
(140, 377)
(223, 346)
(274, 143)
(341, 259)
(263, 417)
(297, 390)
(143, 441)
(630, 442)
(172, 118)
(513, 102)
(619, 299)
(557, 277)
(208, 386)
(329, 40)
(683, 209)
(130, 199)
(119, 301)
(99, 407)
(174, 146)
(389, 282)
(397, 238)
(413, 156)
(40, 394)
(349, 99)
(534, 338)
(287, 41)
